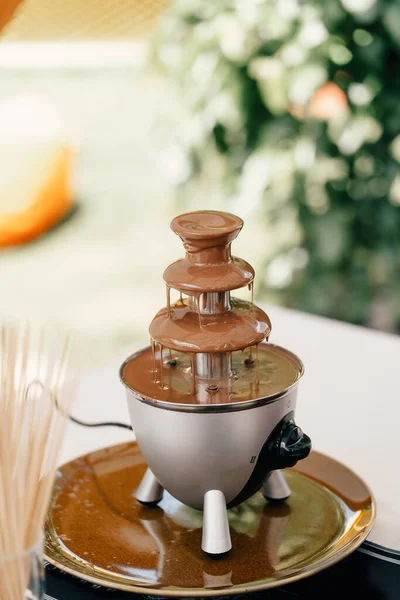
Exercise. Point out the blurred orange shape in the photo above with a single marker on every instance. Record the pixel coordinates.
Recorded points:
(328, 102)
(35, 161)
(7, 9)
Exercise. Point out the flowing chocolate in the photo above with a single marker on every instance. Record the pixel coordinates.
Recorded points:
(208, 347)
(208, 265)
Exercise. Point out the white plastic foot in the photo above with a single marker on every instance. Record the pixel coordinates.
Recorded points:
(275, 487)
(216, 534)
(149, 491)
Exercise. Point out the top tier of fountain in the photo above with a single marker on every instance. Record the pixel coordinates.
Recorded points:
(209, 265)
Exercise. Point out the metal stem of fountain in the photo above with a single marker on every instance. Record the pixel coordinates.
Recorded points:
(219, 365)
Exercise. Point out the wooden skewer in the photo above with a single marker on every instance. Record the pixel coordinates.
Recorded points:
(34, 403)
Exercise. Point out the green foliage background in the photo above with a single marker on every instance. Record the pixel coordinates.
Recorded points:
(253, 76)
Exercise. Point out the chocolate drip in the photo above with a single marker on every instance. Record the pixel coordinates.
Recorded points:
(193, 370)
(153, 351)
(168, 301)
(251, 290)
(161, 368)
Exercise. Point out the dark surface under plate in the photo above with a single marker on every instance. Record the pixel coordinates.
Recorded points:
(361, 576)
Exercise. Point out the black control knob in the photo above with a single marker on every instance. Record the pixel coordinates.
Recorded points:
(288, 444)
(283, 448)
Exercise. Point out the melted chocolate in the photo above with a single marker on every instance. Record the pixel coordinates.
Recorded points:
(105, 532)
(211, 324)
(338, 478)
(272, 371)
(191, 279)
(208, 265)
(186, 330)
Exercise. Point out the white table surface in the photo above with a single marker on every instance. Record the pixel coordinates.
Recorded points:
(348, 404)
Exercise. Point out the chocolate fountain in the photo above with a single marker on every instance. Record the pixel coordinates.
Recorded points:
(211, 401)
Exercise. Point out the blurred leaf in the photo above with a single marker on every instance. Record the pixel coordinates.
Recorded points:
(305, 130)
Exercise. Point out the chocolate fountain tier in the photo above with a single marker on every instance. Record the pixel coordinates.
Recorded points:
(208, 265)
(191, 278)
(184, 329)
(268, 371)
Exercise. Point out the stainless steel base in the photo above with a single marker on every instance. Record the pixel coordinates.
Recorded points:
(275, 487)
(149, 491)
(216, 534)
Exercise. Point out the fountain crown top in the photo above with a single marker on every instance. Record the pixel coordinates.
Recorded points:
(207, 225)
(207, 235)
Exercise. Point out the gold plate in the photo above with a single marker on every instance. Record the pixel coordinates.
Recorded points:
(97, 531)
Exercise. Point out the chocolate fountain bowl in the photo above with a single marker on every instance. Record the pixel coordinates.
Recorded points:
(233, 448)
(213, 416)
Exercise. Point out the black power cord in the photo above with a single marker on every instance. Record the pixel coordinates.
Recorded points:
(101, 424)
